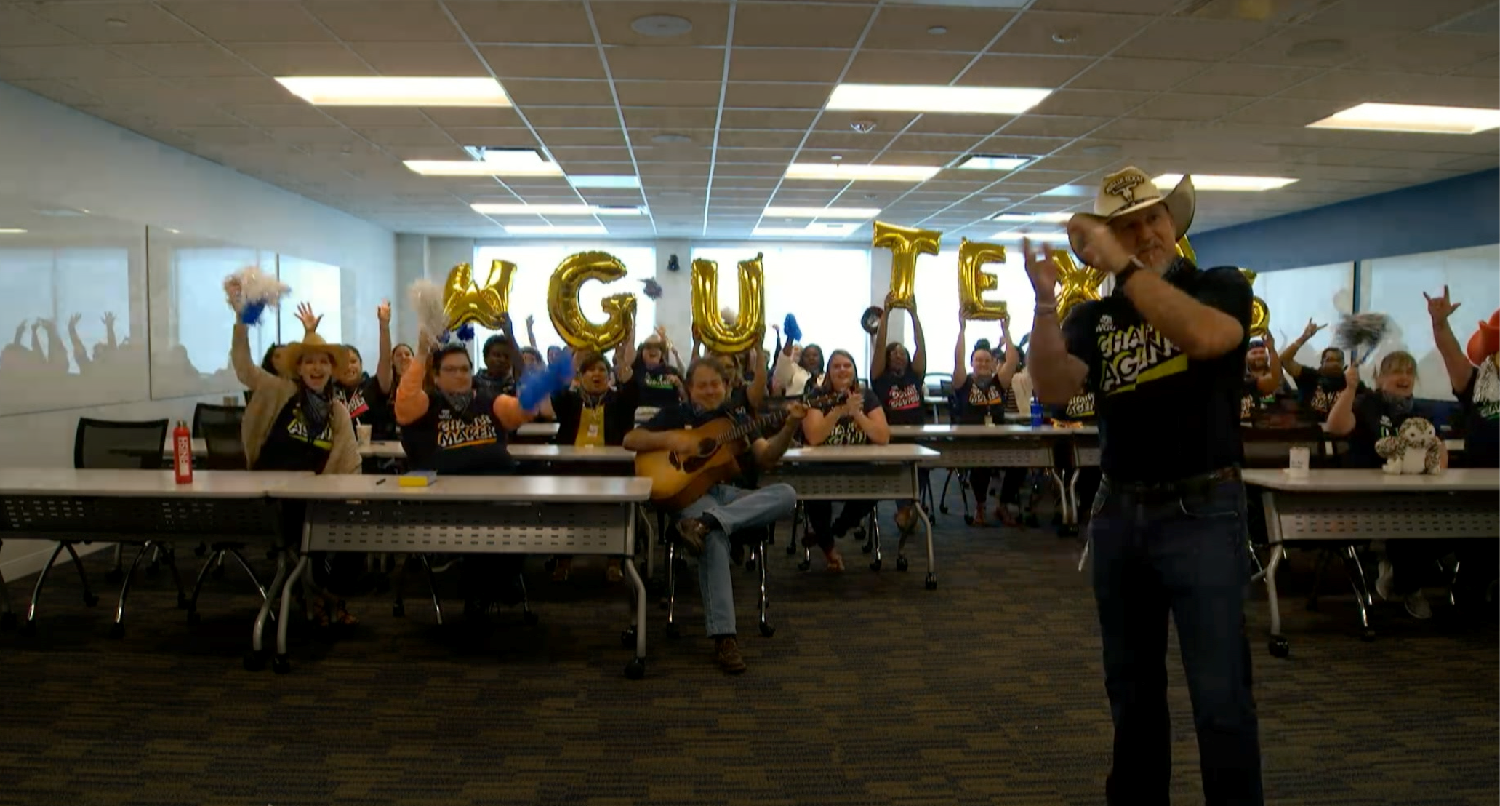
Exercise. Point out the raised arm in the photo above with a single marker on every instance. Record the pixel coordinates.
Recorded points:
(531, 332)
(919, 358)
(1454, 359)
(109, 330)
(1341, 416)
(625, 356)
(384, 374)
(411, 398)
(877, 361)
(1056, 374)
(80, 351)
(309, 321)
(1288, 357)
(756, 394)
(960, 367)
(1269, 383)
(250, 374)
(1007, 371)
(512, 347)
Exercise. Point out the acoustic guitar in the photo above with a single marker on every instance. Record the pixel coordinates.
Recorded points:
(679, 479)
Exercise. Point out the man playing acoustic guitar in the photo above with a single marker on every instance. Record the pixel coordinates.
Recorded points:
(727, 507)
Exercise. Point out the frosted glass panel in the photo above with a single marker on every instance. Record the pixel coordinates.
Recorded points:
(1394, 286)
(191, 324)
(534, 267)
(316, 284)
(72, 327)
(1324, 294)
(826, 288)
(937, 303)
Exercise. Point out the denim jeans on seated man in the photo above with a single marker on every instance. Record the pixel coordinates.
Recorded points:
(1186, 555)
(736, 510)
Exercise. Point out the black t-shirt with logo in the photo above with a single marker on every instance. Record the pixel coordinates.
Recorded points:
(1479, 401)
(1079, 409)
(1162, 416)
(457, 442)
(1253, 401)
(1318, 392)
(687, 415)
(654, 386)
(901, 397)
(1376, 417)
(846, 431)
(366, 403)
(978, 396)
(289, 446)
(495, 387)
(618, 417)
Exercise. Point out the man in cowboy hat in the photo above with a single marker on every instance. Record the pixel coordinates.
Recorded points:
(1164, 356)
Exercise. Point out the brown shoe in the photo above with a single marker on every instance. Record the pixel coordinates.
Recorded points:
(612, 573)
(691, 531)
(727, 655)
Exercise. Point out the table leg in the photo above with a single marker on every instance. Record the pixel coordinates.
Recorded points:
(279, 663)
(1277, 645)
(257, 633)
(636, 669)
(931, 559)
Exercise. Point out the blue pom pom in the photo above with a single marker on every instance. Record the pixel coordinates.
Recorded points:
(790, 327)
(540, 385)
(466, 332)
(250, 314)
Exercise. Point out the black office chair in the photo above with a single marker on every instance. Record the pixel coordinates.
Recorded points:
(752, 541)
(219, 428)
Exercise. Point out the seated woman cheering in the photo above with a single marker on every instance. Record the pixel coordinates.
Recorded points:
(292, 422)
(453, 429)
(897, 378)
(858, 421)
(980, 399)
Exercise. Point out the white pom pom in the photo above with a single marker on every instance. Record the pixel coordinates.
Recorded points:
(250, 286)
(426, 300)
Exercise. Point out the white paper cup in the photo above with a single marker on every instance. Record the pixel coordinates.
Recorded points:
(1300, 461)
(363, 433)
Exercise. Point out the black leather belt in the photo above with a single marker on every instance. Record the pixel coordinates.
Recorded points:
(1190, 486)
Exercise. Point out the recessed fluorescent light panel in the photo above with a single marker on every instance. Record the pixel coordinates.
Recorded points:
(1411, 118)
(992, 162)
(1050, 236)
(1070, 190)
(392, 91)
(520, 162)
(602, 181)
(554, 209)
(860, 213)
(1025, 218)
(546, 230)
(12, 231)
(952, 100)
(815, 230)
(1251, 184)
(861, 173)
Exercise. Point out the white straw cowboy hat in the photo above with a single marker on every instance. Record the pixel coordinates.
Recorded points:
(290, 357)
(1131, 189)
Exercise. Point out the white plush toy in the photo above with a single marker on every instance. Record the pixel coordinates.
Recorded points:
(1415, 449)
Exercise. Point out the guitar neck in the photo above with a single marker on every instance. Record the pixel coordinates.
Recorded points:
(771, 418)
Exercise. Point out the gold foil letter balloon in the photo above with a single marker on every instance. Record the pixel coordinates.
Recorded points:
(905, 244)
(1185, 249)
(466, 301)
(567, 314)
(749, 326)
(973, 280)
(1260, 315)
(1078, 283)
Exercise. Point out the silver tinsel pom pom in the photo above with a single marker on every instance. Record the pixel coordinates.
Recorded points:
(1362, 331)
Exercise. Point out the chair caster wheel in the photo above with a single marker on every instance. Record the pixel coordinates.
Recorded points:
(117, 630)
(7, 621)
(1367, 635)
(672, 631)
(280, 664)
(193, 617)
(932, 582)
(530, 618)
(791, 548)
(28, 629)
(766, 631)
(399, 610)
(182, 602)
(91, 600)
(114, 575)
(627, 638)
(1279, 646)
(255, 661)
(901, 564)
(875, 566)
(867, 548)
(636, 668)
(805, 565)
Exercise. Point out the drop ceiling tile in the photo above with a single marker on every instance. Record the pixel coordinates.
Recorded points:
(968, 30)
(230, 136)
(665, 63)
(64, 61)
(799, 25)
(385, 20)
(894, 157)
(302, 59)
(1023, 71)
(1005, 144)
(668, 93)
(537, 92)
(582, 137)
(20, 27)
(602, 168)
(1180, 106)
(529, 21)
(674, 119)
(282, 115)
(847, 143)
(118, 22)
(1485, 68)
(750, 138)
(952, 144)
(1432, 53)
(376, 116)
(1149, 75)
(1285, 112)
(1088, 102)
(184, 60)
(280, 21)
(60, 91)
(479, 116)
(742, 174)
(853, 156)
(975, 125)
(568, 155)
(710, 22)
(886, 123)
(588, 117)
(420, 59)
(1206, 40)
(788, 120)
(745, 95)
(905, 67)
(407, 136)
(494, 137)
(1287, 46)
(672, 169)
(509, 61)
(1247, 79)
(1086, 34)
(1394, 15)
(761, 156)
(786, 64)
(304, 136)
(233, 90)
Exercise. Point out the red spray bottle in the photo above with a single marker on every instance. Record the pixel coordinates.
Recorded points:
(182, 453)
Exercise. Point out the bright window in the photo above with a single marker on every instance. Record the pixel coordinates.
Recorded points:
(937, 303)
(1324, 294)
(316, 284)
(826, 288)
(534, 267)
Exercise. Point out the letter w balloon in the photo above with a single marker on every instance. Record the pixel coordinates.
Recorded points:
(465, 301)
(973, 280)
(749, 326)
(905, 244)
(567, 313)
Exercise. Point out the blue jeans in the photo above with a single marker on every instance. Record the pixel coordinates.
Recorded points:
(735, 510)
(1187, 556)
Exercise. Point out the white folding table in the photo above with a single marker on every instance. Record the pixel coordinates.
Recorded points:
(858, 472)
(139, 507)
(1352, 506)
(473, 515)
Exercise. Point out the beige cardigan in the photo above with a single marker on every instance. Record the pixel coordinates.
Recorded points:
(269, 394)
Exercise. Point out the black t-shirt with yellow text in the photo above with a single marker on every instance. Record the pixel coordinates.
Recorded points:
(458, 442)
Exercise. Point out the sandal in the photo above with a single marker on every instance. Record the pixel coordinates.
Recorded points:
(341, 615)
(835, 561)
(612, 573)
(317, 612)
